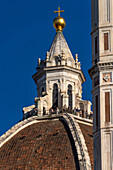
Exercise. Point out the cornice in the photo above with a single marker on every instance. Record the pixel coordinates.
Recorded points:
(44, 70)
(100, 27)
(100, 67)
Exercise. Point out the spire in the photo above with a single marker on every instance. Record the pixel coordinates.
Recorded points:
(59, 22)
(59, 46)
(59, 50)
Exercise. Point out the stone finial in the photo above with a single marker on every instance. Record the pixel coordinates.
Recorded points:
(36, 99)
(39, 61)
(47, 56)
(77, 64)
(76, 58)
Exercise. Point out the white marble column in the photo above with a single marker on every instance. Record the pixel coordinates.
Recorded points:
(73, 99)
(51, 96)
(59, 98)
(40, 107)
(65, 100)
(63, 85)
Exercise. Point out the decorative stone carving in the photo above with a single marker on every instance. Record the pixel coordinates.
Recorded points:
(39, 61)
(76, 58)
(62, 55)
(47, 56)
(106, 77)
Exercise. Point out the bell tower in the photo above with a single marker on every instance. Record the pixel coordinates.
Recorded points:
(101, 74)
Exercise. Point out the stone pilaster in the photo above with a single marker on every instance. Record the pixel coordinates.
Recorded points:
(102, 82)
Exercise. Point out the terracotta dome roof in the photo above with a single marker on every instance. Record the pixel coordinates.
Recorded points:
(46, 144)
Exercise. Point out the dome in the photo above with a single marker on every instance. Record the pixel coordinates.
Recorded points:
(48, 143)
(59, 23)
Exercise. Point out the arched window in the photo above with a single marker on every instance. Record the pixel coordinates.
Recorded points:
(55, 95)
(70, 95)
(42, 91)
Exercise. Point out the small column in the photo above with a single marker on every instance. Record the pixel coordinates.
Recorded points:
(63, 85)
(39, 106)
(47, 59)
(73, 99)
(65, 100)
(51, 96)
(59, 98)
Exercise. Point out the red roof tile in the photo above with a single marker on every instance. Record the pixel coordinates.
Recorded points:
(44, 145)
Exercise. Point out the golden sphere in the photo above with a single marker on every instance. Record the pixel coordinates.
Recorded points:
(59, 23)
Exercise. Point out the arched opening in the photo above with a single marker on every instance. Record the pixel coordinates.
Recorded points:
(82, 108)
(42, 91)
(44, 111)
(55, 95)
(44, 107)
(70, 96)
(56, 60)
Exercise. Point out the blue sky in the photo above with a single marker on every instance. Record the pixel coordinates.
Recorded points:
(26, 33)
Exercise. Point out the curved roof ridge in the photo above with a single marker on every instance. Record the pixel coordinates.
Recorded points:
(43, 145)
(83, 155)
(16, 128)
(19, 132)
(21, 125)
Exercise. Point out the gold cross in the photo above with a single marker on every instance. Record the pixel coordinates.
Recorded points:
(59, 11)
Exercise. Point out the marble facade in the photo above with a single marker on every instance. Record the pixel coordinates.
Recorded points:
(101, 74)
